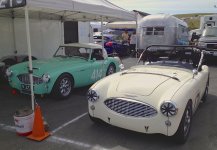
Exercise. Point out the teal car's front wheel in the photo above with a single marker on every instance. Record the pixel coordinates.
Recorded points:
(63, 86)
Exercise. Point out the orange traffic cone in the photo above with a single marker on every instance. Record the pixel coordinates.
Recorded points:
(38, 131)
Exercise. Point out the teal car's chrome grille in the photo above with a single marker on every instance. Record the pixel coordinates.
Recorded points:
(130, 108)
(24, 78)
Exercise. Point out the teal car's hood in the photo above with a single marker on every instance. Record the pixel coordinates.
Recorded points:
(45, 66)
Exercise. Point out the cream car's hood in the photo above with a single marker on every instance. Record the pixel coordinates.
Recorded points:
(147, 81)
(139, 83)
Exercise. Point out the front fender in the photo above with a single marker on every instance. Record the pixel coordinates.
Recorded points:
(180, 98)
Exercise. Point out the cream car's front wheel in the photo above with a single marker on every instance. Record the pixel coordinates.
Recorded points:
(185, 125)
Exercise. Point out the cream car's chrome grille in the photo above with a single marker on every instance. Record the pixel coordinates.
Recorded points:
(24, 78)
(130, 107)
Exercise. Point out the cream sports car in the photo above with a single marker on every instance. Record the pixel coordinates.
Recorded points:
(159, 95)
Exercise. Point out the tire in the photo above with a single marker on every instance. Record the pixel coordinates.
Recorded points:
(111, 69)
(204, 98)
(97, 121)
(63, 87)
(183, 131)
(205, 94)
(94, 120)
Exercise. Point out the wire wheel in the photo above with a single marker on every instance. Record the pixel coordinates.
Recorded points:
(111, 69)
(65, 87)
(187, 121)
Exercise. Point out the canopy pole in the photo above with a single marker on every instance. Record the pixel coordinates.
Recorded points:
(62, 30)
(13, 28)
(136, 34)
(102, 32)
(30, 56)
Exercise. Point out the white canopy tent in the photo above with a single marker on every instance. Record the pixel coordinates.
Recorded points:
(64, 10)
(122, 25)
(77, 10)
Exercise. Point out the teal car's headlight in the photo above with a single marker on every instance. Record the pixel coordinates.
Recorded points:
(9, 72)
(46, 78)
(92, 96)
(168, 109)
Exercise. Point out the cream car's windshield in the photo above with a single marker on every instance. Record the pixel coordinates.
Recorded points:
(171, 56)
(70, 51)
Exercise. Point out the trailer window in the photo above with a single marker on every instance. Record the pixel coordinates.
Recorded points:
(149, 31)
(153, 31)
(159, 31)
(182, 29)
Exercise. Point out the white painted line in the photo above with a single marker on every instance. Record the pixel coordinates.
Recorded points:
(8, 128)
(67, 123)
(60, 140)
(56, 139)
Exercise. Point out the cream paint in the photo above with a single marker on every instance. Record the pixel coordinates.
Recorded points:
(173, 90)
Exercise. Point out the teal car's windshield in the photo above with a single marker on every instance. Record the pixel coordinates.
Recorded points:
(210, 32)
(70, 51)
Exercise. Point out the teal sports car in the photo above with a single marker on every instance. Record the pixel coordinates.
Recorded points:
(73, 65)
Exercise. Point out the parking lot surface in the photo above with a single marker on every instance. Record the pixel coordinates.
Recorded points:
(72, 129)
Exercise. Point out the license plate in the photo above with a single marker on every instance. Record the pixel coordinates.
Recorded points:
(26, 88)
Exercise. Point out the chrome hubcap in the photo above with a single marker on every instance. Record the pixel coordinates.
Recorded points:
(65, 87)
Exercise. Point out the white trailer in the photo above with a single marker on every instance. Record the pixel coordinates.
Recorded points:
(161, 29)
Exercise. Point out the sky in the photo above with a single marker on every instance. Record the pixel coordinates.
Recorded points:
(169, 6)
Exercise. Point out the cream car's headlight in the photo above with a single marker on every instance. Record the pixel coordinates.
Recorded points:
(46, 78)
(92, 96)
(9, 72)
(168, 109)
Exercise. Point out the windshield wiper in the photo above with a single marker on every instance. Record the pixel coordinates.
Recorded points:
(173, 77)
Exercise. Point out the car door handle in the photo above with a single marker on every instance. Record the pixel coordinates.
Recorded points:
(82, 70)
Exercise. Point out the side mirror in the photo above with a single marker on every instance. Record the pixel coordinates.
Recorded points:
(195, 72)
